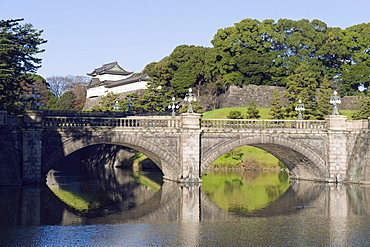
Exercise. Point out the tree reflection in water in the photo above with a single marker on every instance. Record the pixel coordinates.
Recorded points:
(100, 191)
(244, 192)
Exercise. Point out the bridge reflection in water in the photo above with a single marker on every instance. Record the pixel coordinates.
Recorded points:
(111, 196)
(229, 207)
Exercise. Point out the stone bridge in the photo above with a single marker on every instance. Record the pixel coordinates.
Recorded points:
(330, 150)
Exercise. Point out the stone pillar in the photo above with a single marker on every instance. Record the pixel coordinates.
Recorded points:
(338, 211)
(190, 148)
(32, 148)
(190, 214)
(3, 120)
(31, 206)
(337, 147)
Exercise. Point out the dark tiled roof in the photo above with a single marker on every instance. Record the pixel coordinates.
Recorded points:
(110, 68)
(132, 79)
(94, 82)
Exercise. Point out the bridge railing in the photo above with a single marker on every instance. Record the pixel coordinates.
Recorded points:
(50, 121)
(14, 120)
(262, 124)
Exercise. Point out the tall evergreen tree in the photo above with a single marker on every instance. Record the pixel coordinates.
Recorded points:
(18, 46)
(323, 107)
(65, 101)
(362, 108)
(252, 111)
(277, 110)
(155, 98)
(302, 86)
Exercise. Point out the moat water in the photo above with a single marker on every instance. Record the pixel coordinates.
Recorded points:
(114, 207)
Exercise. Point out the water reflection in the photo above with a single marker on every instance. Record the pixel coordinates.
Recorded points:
(94, 194)
(111, 196)
(101, 191)
(244, 192)
(117, 207)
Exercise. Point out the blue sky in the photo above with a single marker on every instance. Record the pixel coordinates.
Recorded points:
(83, 35)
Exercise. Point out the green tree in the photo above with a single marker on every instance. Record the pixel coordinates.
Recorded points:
(18, 46)
(51, 104)
(195, 106)
(188, 65)
(277, 110)
(252, 111)
(235, 115)
(355, 70)
(155, 98)
(107, 102)
(33, 84)
(362, 108)
(302, 86)
(65, 101)
(323, 107)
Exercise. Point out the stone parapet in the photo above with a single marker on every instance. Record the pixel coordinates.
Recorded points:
(336, 122)
(190, 120)
(357, 124)
(33, 118)
(3, 117)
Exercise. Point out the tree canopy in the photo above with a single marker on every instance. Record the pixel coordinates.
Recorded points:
(306, 57)
(18, 46)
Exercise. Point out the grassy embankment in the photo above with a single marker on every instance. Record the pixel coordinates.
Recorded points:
(247, 156)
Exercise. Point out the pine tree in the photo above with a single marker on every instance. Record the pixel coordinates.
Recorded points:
(235, 115)
(107, 102)
(18, 45)
(302, 86)
(252, 111)
(323, 107)
(362, 108)
(277, 111)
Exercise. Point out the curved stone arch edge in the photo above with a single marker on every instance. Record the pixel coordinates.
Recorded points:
(160, 156)
(301, 149)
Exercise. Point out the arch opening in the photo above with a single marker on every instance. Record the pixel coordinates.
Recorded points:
(301, 160)
(166, 161)
(109, 155)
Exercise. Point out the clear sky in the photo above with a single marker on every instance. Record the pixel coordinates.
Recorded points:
(84, 34)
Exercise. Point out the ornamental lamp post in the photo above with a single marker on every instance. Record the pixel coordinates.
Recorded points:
(300, 108)
(174, 106)
(129, 104)
(190, 97)
(116, 106)
(335, 100)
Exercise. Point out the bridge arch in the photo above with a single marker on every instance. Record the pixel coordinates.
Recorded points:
(301, 159)
(165, 160)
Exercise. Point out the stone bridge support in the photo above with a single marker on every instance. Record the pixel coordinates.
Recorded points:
(185, 147)
(337, 148)
(32, 148)
(190, 148)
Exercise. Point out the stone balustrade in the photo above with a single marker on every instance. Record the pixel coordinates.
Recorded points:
(185, 146)
(165, 122)
(54, 121)
(262, 124)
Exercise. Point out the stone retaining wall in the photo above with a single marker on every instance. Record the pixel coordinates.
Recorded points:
(9, 158)
(237, 96)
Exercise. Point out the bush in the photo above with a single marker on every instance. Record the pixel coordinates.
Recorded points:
(235, 115)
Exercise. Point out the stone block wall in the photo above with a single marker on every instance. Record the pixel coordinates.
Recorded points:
(9, 158)
(241, 96)
(237, 96)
